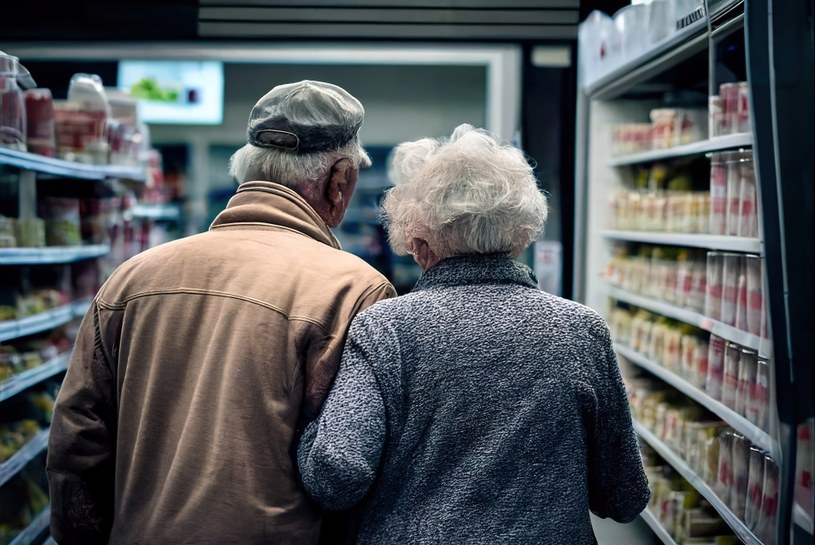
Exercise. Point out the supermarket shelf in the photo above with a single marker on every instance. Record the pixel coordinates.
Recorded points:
(717, 143)
(800, 517)
(740, 529)
(54, 254)
(754, 342)
(662, 56)
(751, 432)
(69, 169)
(167, 212)
(12, 329)
(16, 384)
(81, 306)
(35, 529)
(711, 242)
(660, 531)
(18, 461)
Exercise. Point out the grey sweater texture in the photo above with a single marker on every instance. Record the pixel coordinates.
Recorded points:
(476, 409)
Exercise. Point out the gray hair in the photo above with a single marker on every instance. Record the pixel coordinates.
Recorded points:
(300, 172)
(469, 194)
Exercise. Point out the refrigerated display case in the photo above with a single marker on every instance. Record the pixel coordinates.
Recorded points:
(694, 176)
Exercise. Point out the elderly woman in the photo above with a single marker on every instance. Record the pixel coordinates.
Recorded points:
(477, 408)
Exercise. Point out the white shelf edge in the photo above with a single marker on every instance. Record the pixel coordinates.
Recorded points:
(156, 211)
(711, 242)
(54, 254)
(740, 529)
(80, 307)
(19, 459)
(17, 383)
(33, 530)
(69, 169)
(717, 143)
(51, 318)
(660, 531)
(754, 342)
(751, 432)
(803, 520)
(659, 49)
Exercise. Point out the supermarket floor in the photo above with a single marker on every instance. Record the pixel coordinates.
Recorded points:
(609, 532)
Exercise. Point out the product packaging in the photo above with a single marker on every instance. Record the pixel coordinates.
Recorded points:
(755, 294)
(716, 123)
(62, 221)
(761, 395)
(765, 528)
(755, 482)
(741, 296)
(734, 180)
(730, 98)
(715, 367)
(742, 121)
(41, 133)
(741, 466)
(730, 384)
(748, 368)
(81, 121)
(718, 193)
(748, 202)
(713, 285)
(805, 462)
(731, 270)
(724, 481)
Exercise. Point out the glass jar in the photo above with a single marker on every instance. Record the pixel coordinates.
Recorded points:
(12, 105)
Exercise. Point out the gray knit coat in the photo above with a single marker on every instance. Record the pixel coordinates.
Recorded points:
(476, 410)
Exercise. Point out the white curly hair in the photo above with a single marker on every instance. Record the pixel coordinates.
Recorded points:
(466, 194)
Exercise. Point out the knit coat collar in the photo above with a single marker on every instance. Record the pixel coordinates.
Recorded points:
(268, 203)
(476, 269)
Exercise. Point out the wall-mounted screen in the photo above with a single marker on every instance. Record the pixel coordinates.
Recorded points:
(175, 92)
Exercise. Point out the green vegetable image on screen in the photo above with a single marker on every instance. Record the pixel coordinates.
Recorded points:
(147, 88)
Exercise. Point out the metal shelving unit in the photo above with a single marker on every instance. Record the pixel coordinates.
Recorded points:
(69, 169)
(660, 531)
(53, 255)
(33, 167)
(51, 318)
(28, 452)
(55, 317)
(751, 432)
(718, 143)
(35, 529)
(711, 242)
(676, 461)
(726, 46)
(762, 345)
(17, 383)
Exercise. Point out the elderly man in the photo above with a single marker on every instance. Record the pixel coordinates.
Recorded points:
(200, 360)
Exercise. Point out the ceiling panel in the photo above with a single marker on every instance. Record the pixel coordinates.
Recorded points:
(509, 20)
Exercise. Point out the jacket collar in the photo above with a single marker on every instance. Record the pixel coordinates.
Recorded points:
(476, 269)
(268, 203)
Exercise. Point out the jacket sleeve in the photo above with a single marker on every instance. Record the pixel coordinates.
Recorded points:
(618, 487)
(339, 452)
(322, 365)
(80, 460)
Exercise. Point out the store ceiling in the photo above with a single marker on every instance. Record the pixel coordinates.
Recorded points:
(508, 20)
(438, 20)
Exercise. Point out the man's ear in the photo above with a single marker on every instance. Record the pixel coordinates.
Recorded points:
(338, 189)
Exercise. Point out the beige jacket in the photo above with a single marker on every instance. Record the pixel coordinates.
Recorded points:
(178, 417)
